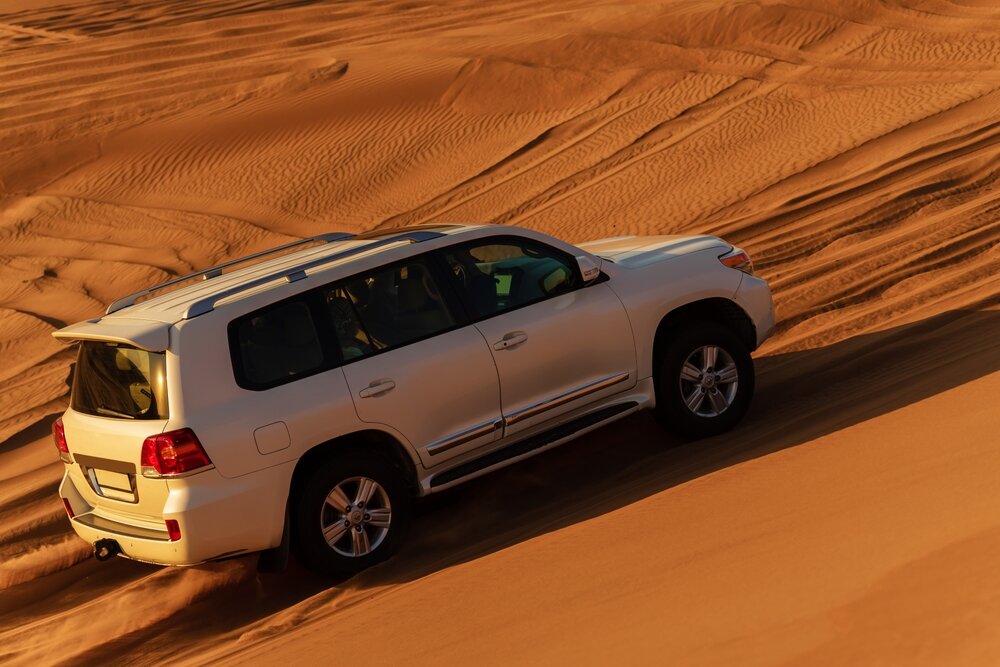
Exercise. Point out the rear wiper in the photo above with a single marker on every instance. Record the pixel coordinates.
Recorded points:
(113, 413)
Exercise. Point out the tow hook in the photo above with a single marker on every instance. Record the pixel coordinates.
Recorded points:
(106, 549)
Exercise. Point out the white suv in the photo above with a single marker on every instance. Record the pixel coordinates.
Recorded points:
(306, 399)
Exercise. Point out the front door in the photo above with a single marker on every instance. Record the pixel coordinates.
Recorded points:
(412, 363)
(558, 344)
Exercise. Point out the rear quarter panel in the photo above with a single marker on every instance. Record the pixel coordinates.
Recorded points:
(224, 416)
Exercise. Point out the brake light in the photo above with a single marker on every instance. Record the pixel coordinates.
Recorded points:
(172, 453)
(173, 530)
(739, 260)
(59, 435)
(69, 508)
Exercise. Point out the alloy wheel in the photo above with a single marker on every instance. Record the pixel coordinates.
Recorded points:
(708, 381)
(356, 516)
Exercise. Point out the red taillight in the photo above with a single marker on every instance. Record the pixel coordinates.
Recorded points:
(173, 530)
(737, 259)
(69, 508)
(172, 453)
(59, 435)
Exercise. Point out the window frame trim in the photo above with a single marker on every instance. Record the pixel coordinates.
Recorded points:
(474, 318)
(326, 331)
(452, 302)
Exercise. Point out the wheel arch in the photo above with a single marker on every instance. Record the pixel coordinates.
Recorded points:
(720, 310)
(367, 440)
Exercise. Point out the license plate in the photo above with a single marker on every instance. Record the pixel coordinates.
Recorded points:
(114, 481)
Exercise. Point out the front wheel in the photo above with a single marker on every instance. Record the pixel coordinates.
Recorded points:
(704, 381)
(351, 513)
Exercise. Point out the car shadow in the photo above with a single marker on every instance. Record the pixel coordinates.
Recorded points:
(800, 396)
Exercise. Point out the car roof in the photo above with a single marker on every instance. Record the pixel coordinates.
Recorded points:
(329, 251)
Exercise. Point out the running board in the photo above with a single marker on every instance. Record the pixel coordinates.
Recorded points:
(530, 444)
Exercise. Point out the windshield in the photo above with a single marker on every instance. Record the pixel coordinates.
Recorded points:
(120, 381)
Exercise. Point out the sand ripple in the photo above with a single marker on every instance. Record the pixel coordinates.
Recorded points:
(852, 149)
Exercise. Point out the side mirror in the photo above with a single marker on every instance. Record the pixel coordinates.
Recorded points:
(589, 269)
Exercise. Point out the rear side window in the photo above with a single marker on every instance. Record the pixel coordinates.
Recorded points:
(276, 345)
(120, 381)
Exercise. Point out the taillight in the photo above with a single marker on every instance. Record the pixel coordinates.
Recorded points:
(69, 508)
(173, 530)
(737, 259)
(59, 435)
(172, 453)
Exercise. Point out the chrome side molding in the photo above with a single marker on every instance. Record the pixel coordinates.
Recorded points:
(493, 426)
(562, 399)
(468, 435)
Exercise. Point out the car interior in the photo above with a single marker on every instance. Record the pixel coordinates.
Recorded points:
(499, 276)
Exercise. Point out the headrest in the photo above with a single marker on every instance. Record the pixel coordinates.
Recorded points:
(361, 292)
(412, 294)
(344, 318)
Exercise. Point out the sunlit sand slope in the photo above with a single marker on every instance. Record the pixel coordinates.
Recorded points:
(852, 148)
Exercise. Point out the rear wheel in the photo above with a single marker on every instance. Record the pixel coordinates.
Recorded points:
(704, 381)
(352, 512)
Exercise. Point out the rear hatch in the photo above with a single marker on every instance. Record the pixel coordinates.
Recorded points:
(119, 399)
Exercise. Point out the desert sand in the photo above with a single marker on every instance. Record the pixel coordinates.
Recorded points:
(852, 147)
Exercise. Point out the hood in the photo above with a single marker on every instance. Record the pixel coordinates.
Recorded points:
(633, 250)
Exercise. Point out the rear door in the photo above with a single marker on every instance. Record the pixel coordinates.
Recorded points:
(413, 363)
(119, 399)
(558, 344)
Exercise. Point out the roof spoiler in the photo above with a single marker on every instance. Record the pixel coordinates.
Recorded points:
(143, 334)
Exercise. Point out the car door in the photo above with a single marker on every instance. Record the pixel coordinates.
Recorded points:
(413, 362)
(558, 344)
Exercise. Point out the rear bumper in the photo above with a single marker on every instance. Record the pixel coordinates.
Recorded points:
(754, 296)
(217, 517)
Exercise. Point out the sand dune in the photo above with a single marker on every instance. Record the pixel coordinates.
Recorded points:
(853, 150)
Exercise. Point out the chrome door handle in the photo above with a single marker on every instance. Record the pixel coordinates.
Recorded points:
(510, 340)
(377, 388)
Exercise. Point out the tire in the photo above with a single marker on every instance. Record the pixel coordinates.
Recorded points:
(675, 393)
(331, 540)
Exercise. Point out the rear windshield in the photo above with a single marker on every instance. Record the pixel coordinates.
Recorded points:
(120, 381)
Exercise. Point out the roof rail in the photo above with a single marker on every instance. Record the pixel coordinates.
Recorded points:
(215, 271)
(294, 273)
(384, 232)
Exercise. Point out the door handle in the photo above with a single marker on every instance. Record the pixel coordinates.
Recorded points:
(377, 388)
(510, 340)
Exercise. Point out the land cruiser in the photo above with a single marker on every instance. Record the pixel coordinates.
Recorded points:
(305, 395)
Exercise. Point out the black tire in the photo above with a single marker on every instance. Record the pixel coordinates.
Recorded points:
(312, 513)
(686, 344)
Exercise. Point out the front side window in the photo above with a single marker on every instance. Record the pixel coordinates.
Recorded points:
(497, 275)
(276, 345)
(386, 308)
(119, 381)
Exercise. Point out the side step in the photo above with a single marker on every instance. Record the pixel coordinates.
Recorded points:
(534, 442)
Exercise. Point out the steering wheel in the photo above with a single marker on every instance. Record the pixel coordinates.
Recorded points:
(460, 273)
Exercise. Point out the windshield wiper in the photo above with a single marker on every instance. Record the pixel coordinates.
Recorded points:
(113, 413)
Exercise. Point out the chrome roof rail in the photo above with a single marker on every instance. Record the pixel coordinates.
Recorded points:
(216, 271)
(292, 274)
